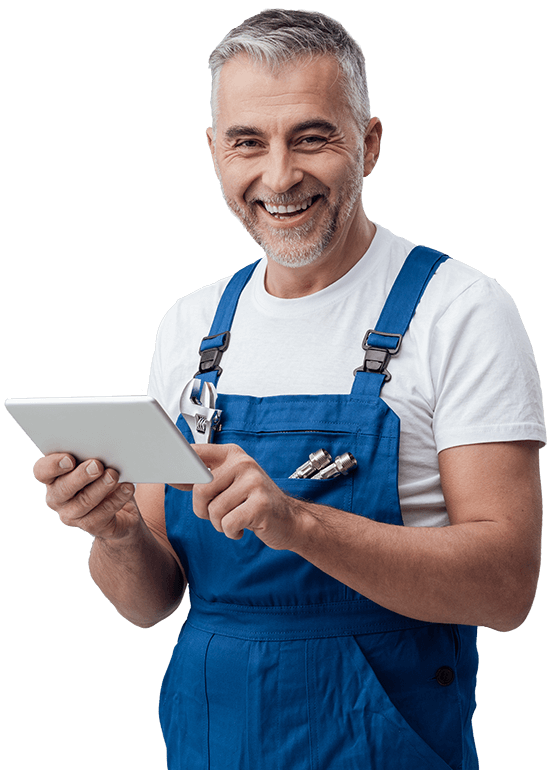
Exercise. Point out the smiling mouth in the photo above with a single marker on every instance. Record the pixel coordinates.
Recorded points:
(290, 210)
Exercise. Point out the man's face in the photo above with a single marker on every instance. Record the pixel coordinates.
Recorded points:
(289, 156)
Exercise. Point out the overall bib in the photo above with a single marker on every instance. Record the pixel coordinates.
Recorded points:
(279, 666)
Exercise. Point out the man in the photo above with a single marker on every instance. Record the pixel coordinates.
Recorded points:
(323, 633)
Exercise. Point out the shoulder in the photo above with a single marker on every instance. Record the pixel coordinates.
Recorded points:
(483, 372)
(459, 298)
(457, 282)
(175, 358)
(466, 320)
(194, 310)
(456, 287)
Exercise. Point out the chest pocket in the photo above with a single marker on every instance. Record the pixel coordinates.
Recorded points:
(280, 453)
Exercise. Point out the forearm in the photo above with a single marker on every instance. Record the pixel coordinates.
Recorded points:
(464, 574)
(138, 575)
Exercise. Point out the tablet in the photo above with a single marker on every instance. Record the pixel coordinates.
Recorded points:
(132, 434)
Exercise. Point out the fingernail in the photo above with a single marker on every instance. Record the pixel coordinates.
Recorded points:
(66, 463)
(127, 488)
(92, 469)
(108, 478)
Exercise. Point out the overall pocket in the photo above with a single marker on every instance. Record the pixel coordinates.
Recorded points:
(354, 720)
(369, 489)
(336, 492)
(419, 672)
(281, 453)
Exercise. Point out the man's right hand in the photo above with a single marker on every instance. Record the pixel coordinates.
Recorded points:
(88, 496)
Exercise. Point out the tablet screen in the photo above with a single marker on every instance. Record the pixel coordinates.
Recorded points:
(132, 434)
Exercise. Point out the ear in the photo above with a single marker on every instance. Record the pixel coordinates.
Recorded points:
(373, 137)
(212, 147)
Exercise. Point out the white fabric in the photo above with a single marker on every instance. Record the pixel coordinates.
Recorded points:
(465, 374)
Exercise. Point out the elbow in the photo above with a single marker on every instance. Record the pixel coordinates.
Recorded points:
(514, 617)
(151, 616)
(509, 622)
(140, 622)
(146, 622)
(514, 603)
(514, 580)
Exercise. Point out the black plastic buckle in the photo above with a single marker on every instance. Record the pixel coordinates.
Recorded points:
(377, 358)
(211, 357)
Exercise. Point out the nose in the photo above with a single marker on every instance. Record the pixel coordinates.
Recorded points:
(281, 170)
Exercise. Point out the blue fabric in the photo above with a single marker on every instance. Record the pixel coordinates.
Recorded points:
(225, 313)
(279, 666)
(405, 294)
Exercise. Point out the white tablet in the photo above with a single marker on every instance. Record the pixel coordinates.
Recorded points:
(132, 434)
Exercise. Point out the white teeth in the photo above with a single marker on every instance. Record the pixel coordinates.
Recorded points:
(290, 209)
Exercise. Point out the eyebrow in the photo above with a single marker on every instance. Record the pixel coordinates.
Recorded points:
(316, 123)
(233, 132)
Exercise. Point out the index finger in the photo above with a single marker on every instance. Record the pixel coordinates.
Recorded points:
(212, 455)
(48, 468)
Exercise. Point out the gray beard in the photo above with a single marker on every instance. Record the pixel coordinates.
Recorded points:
(290, 250)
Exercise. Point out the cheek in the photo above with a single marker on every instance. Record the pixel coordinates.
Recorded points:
(235, 187)
(332, 170)
(235, 177)
(343, 172)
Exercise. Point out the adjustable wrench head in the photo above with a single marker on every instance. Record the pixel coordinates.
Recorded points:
(197, 393)
(197, 406)
(200, 393)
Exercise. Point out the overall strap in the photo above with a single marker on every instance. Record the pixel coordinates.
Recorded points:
(382, 343)
(212, 347)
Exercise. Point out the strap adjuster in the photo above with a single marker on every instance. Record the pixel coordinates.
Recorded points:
(378, 356)
(211, 353)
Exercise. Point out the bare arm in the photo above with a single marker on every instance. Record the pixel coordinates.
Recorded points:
(481, 570)
(139, 573)
(131, 559)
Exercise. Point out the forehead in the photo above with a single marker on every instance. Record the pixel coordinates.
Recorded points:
(249, 91)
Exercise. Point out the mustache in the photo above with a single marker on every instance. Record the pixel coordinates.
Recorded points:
(285, 199)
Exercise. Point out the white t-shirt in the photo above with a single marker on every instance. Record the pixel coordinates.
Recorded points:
(465, 373)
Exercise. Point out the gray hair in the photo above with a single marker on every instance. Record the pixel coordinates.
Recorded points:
(275, 37)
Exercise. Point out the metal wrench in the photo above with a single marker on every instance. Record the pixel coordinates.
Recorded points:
(197, 406)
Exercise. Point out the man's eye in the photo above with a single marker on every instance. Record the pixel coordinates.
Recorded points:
(248, 144)
(312, 141)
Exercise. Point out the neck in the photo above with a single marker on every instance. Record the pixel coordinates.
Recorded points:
(335, 262)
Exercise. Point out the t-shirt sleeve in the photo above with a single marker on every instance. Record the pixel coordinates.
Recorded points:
(165, 377)
(176, 358)
(155, 388)
(485, 378)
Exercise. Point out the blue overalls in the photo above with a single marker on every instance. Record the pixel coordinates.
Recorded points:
(279, 666)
